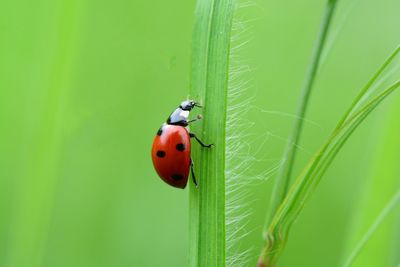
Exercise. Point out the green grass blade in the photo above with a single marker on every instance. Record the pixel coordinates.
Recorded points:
(380, 186)
(352, 124)
(368, 86)
(210, 62)
(285, 172)
(378, 221)
(307, 181)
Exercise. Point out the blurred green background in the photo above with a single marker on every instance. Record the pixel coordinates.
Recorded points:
(84, 86)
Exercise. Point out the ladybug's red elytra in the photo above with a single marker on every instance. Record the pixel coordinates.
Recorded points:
(171, 147)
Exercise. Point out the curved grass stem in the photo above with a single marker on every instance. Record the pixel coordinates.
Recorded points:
(306, 183)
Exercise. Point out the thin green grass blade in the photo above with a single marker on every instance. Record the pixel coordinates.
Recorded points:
(209, 85)
(285, 172)
(307, 181)
(368, 86)
(379, 188)
(393, 203)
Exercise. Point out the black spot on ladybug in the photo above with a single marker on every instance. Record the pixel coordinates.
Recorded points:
(159, 133)
(160, 154)
(177, 177)
(180, 147)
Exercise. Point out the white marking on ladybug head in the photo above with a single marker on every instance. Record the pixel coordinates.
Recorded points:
(184, 113)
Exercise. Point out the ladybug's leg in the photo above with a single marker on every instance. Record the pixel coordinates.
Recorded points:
(192, 121)
(192, 135)
(199, 117)
(192, 171)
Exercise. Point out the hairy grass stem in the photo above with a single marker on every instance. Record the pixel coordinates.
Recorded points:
(209, 85)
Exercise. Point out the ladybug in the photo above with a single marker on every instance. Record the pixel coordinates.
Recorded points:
(171, 147)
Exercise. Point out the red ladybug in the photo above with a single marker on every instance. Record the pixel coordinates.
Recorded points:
(171, 147)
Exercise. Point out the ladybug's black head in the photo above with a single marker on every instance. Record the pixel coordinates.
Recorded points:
(188, 105)
(181, 114)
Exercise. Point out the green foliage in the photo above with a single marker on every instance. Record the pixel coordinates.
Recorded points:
(283, 178)
(307, 181)
(393, 203)
(85, 85)
(373, 228)
(210, 65)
